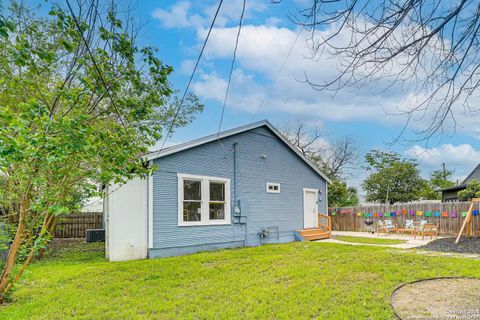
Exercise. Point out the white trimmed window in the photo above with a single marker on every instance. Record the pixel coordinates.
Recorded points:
(273, 187)
(203, 200)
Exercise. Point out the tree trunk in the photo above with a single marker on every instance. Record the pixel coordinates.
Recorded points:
(12, 252)
(50, 227)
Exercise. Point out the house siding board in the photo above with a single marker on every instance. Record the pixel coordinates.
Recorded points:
(262, 209)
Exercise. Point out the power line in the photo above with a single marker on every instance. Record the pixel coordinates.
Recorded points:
(177, 112)
(231, 67)
(272, 84)
(95, 64)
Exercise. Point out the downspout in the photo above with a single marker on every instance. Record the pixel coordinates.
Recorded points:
(235, 194)
(236, 208)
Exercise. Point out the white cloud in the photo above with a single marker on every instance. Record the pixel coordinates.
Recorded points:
(261, 53)
(463, 154)
(180, 14)
(462, 158)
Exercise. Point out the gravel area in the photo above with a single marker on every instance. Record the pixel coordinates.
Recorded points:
(465, 245)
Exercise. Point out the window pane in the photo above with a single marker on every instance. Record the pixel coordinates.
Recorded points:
(192, 211)
(217, 211)
(192, 190)
(217, 191)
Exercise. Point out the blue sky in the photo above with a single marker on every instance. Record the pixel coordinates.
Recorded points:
(178, 29)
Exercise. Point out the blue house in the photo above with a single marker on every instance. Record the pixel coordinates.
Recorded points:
(243, 187)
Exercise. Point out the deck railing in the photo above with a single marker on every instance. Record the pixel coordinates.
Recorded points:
(325, 223)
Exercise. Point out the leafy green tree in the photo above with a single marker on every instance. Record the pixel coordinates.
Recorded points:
(442, 178)
(392, 178)
(439, 179)
(80, 101)
(472, 191)
(341, 195)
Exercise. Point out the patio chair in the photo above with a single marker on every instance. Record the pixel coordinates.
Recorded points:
(430, 229)
(386, 226)
(408, 227)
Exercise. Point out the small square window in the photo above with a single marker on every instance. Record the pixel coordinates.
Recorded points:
(273, 187)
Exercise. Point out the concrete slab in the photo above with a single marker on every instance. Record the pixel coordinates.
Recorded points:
(411, 242)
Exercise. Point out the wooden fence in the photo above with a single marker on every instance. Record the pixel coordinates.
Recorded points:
(352, 218)
(75, 225)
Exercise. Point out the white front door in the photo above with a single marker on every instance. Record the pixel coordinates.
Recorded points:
(310, 208)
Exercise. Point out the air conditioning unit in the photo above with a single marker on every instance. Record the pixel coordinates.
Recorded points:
(95, 235)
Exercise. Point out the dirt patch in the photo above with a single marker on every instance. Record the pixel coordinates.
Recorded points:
(457, 298)
(466, 245)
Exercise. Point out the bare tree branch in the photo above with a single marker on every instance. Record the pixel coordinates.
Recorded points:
(430, 48)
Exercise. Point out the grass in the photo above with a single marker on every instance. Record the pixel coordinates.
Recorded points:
(369, 240)
(285, 281)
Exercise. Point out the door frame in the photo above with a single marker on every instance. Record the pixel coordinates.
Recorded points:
(305, 190)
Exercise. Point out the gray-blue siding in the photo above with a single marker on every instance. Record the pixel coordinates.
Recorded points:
(262, 209)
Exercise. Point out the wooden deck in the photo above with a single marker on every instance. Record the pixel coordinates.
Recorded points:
(323, 231)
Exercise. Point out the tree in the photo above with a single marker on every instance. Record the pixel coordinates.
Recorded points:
(335, 159)
(80, 101)
(392, 178)
(341, 195)
(442, 178)
(427, 47)
(472, 191)
(439, 179)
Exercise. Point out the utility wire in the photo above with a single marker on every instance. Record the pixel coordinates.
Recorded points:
(272, 84)
(177, 112)
(231, 66)
(107, 88)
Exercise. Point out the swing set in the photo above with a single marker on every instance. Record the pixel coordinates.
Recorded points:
(468, 224)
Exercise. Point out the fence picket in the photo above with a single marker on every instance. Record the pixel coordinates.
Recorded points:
(346, 218)
(75, 225)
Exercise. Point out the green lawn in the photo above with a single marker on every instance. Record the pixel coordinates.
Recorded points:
(368, 240)
(296, 280)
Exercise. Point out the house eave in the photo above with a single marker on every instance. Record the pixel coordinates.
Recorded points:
(458, 187)
(227, 133)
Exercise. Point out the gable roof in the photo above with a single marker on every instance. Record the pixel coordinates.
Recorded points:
(227, 133)
(475, 174)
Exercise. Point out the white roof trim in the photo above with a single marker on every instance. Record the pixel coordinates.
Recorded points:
(187, 145)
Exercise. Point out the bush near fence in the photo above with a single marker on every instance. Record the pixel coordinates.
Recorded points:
(75, 225)
(346, 219)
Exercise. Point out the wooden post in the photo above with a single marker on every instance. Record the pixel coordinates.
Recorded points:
(468, 221)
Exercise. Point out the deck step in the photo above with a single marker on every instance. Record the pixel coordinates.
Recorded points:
(314, 234)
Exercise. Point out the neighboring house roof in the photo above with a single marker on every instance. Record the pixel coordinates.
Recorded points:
(475, 174)
(197, 142)
(457, 187)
